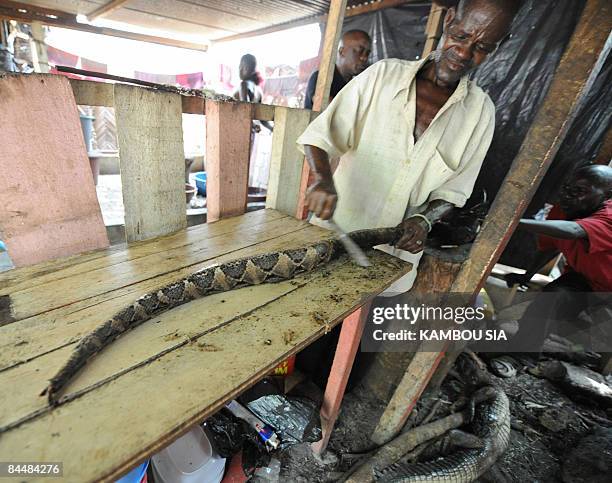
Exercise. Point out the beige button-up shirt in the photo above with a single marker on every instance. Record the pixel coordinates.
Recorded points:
(382, 171)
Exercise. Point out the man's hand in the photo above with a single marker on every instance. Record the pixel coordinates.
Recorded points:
(321, 199)
(415, 233)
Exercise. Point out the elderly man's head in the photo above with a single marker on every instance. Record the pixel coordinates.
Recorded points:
(353, 53)
(586, 191)
(472, 30)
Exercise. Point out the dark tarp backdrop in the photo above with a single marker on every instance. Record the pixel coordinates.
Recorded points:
(517, 77)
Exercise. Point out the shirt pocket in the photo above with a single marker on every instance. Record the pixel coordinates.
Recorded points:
(436, 171)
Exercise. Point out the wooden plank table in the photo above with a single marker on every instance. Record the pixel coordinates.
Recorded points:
(170, 373)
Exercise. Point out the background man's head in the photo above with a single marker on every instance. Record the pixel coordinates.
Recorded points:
(586, 191)
(472, 30)
(353, 53)
(248, 66)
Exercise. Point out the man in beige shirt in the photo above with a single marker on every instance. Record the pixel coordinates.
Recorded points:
(411, 135)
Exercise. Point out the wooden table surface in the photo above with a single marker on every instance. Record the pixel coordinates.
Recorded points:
(151, 385)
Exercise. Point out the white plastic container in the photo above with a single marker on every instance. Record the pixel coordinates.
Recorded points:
(190, 459)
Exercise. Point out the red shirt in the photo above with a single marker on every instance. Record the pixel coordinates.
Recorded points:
(592, 256)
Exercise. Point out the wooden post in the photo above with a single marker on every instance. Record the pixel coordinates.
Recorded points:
(433, 30)
(228, 141)
(327, 67)
(348, 344)
(39, 49)
(150, 137)
(577, 70)
(437, 271)
(286, 160)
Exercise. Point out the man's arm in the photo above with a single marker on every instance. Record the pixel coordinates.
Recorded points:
(310, 89)
(567, 230)
(321, 197)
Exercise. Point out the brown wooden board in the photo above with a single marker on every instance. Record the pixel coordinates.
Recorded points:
(228, 141)
(286, 160)
(152, 384)
(48, 203)
(150, 137)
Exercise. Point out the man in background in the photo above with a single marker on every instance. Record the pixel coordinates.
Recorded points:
(352, 60)
(580, 227)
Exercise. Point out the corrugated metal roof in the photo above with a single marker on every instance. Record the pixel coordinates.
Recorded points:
(199, 20)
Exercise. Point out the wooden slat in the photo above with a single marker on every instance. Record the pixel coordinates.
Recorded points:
(581, 62)
(433, 30)
(333, 29)
(327, 66)
(286, 160)
(103, 276)
(228, 141)
(39, 49)
(64, 325)
(48, 203)
(202, 354)
(29, 277)
(91, 93)
(348, 344)
(150, 137)
(105, 9)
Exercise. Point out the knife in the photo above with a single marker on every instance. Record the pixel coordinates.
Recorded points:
(355, 252)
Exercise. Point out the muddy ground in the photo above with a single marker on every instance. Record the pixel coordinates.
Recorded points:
(545, 442)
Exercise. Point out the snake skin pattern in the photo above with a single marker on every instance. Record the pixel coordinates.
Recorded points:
(266, 268)
(491, 424)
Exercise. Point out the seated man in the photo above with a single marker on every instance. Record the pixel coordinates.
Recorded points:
(582, 231)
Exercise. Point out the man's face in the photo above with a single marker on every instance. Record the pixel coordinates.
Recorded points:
(354, 53)
(467, 41)
(579, 198)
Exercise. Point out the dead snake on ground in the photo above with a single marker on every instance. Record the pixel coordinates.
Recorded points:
(265, 268)
(491, 423)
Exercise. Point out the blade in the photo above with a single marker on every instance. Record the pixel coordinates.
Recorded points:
(355, 252)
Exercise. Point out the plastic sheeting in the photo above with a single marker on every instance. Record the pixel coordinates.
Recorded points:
(397, 32)
(517, 78)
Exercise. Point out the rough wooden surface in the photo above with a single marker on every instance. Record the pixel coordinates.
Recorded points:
(48, 203)
(286, 160)
(198, 355)
(91, 93)
(228, 141)
(150, 137)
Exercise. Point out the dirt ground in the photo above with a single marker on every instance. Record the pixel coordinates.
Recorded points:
(545, 441)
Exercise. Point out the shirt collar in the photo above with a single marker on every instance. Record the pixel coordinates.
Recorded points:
(404, 85)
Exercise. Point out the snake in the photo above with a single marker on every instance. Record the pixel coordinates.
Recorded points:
(491, 424)
(254, 270)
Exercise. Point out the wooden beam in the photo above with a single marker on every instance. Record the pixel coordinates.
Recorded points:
(581, 62)
(228, 141)
(150, 137)
(286, 160)
(349, 12)
(433, 30)
(39, 49)
(25, 12)
(91, 93)
(327, 67)
(348, 344)
(105, 9)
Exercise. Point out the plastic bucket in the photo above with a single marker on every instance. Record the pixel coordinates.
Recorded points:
(200, 179)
